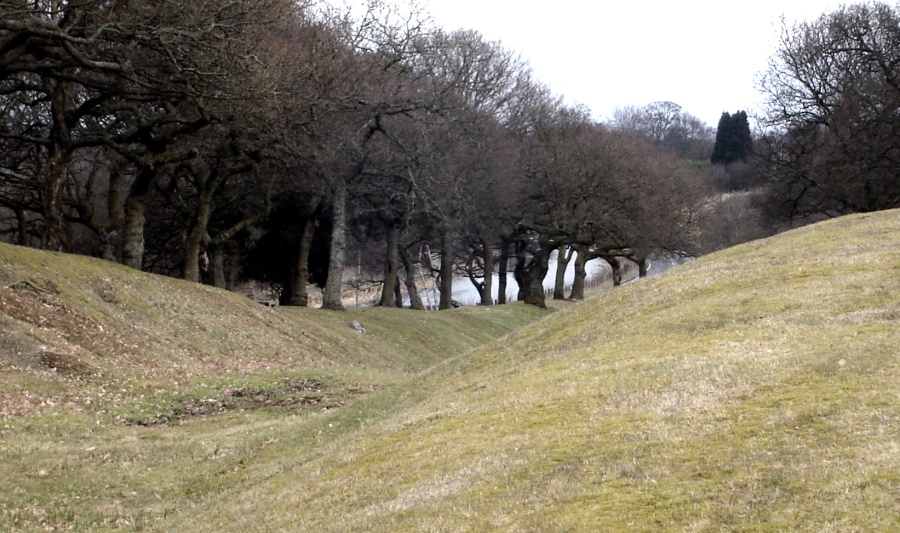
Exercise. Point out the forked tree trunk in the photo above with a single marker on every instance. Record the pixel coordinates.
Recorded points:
(415, 301)
(533, 276)
(133, 226)
(331, 294)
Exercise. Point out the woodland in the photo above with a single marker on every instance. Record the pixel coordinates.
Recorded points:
(285, 141)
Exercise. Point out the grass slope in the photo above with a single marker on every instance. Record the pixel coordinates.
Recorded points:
(752, 390)
(109, 380)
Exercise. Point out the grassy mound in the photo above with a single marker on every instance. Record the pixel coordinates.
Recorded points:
(754, 389)
(72, 323)
(122, 394)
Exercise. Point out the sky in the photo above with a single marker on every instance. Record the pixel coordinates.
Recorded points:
(704, 55)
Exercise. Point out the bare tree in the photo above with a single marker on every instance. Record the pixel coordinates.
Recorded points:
(668, 127)
(832, 128)
(96, 74)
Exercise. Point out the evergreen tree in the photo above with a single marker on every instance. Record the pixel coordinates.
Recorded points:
(733, 138)
(741, 138)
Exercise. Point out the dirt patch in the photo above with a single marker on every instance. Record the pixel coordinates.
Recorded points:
(291, 395)
(36, 303)
(67, 365)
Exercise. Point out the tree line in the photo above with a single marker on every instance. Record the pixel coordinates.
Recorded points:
(286, 140)
(828, 134)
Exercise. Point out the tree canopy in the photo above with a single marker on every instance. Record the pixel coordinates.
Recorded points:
(206, 141)
(832, 98)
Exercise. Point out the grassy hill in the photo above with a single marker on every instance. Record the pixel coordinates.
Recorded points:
(121, 392)
(755, 389)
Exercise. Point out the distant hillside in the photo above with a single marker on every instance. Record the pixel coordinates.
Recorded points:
(754, 389)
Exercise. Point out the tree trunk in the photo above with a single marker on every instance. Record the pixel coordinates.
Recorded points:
(107, 247)
(446, 273)
(581, 259)
(232, 265)
(133, 227)
(391, 265)
(398, 293)
(616, 270)
(52, 197)
(22, 231)
(563, 256)
(487, 286)
(60, 154)
(502, 271)
(217, 264)
(519, 270)
(300, 294)
(643, 264)
(533, 276)
(194, 262)
(133, 247)
(331, 295)
(415, 301)
(116, 209)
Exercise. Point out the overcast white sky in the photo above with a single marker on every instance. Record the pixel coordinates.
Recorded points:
(701, 54)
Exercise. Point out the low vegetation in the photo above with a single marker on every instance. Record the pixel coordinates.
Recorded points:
(753, 389)
(116, 385)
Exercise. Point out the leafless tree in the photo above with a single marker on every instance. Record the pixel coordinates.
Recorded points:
(831, 119)
(668, 127)
(95, 73)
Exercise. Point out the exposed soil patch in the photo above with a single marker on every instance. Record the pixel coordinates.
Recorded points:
(67, 365)
(37, 303)
(291, 395)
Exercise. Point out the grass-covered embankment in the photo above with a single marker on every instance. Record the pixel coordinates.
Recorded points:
(126, 398)
(751, 390)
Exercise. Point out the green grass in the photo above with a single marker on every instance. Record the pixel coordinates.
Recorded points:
(751, 390)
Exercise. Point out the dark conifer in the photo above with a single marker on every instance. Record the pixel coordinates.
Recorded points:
(733, 139)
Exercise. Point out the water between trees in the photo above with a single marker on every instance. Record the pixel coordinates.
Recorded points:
(598, 273)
